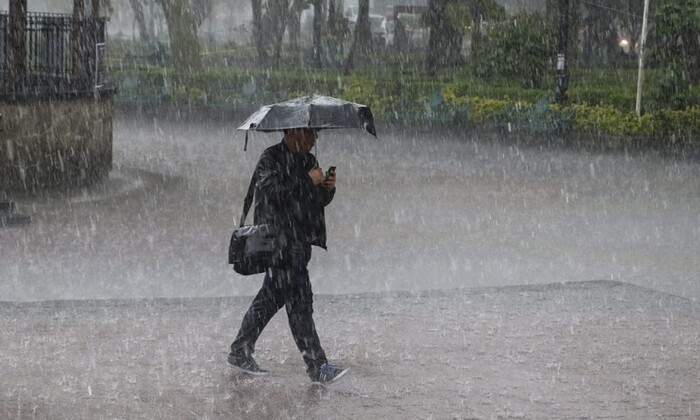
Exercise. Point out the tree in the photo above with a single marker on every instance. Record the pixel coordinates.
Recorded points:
(259, 31)
(479, 10)
(278, 11)
(677, 24)
(677, 49)
(317, 27)
(445, 42)
(294, 23)
(449, 21)
(362, 37)
(139, 17)
(183, 18)
(517, 50)
(270, 20)
(554, 18)
(604, 24)
(336, 32)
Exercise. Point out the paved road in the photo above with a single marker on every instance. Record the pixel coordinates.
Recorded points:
(580, 350)
(415, 210)
(463, 214)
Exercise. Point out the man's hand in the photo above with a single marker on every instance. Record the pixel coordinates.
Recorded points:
(329, 182)
(316, 175)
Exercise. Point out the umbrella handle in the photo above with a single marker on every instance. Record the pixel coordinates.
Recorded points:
(245, 145)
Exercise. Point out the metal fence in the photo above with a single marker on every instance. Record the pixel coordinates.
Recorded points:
(48, 55)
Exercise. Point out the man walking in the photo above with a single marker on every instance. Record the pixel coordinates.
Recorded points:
(291, 192)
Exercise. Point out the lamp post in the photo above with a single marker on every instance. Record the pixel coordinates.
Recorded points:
(640, 73)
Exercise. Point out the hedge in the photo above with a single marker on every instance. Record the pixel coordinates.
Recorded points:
(407, 98)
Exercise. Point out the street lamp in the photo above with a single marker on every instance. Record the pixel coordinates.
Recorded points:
(562, 76)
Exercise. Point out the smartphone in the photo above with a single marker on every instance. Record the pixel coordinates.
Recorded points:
(330, 171)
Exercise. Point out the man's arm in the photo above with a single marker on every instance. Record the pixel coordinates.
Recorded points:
(280, 186)
(328, 189)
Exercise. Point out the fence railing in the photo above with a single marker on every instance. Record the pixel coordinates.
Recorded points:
(53, 54)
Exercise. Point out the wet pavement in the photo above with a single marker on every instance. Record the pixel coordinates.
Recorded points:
(577, 350)
(468, 276)
(416, 209)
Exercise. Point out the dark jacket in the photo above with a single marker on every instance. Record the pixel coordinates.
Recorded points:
(286, 198)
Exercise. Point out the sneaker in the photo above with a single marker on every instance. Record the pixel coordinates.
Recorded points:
(246, 363)
(329, 373)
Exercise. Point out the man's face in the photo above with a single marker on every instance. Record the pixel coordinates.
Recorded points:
(301, 140)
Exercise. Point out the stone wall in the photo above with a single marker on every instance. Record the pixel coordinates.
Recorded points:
(55, 143)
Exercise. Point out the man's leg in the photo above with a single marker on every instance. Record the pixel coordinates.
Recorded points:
(267, 302)
(299, 305)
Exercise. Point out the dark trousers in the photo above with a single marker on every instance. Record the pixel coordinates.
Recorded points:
(286, 285)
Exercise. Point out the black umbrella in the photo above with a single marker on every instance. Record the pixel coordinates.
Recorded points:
(316, 111)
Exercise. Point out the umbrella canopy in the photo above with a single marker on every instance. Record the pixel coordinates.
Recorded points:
(317, 112)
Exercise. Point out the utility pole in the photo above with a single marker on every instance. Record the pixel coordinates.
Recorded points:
(562, 75)
(640, 74)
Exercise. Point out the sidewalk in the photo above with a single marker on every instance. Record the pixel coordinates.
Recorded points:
(583, 350)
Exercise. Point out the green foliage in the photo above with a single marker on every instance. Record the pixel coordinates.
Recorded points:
(480, 111)
(216, 86)
(666, 89)
(670, 121)
(488, 9)
(517, 50)
(612, 121)
(457, 16)
(365, 92)
(602, 101)
(677, 49)
(584, 118)
(392, 98)
(185, 95)
(613, 96)
(183, 21)
(540, 117)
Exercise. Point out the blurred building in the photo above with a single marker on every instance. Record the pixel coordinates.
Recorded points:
(43, 6)
(511, 6)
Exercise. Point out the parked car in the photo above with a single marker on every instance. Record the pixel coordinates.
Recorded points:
(388, 26)
(409, 32)
(377, 26)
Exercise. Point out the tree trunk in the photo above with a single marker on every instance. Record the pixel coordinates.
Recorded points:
(574, 28)
(295, 30)
(317, 26)
(140, 19)
(182, 28)
(259, 32)
(362, 38)
(335, 34)
(475, 15)
(280, 13)
(438, 35)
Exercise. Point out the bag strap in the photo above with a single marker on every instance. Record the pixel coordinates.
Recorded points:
(248, 199)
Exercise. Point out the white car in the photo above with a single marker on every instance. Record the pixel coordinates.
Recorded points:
(377, 25)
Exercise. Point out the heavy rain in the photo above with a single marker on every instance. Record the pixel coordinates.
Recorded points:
(519, 240)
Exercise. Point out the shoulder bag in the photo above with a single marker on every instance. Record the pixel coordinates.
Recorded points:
(252, 247)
